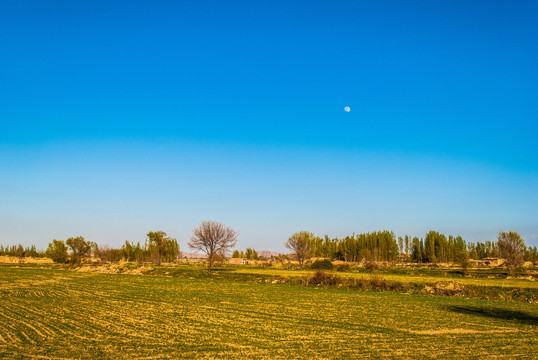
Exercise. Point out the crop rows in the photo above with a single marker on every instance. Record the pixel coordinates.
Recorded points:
(64, 314)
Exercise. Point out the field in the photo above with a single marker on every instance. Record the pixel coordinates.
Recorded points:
(53, 313)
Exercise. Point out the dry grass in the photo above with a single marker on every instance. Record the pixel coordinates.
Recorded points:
(26, 260)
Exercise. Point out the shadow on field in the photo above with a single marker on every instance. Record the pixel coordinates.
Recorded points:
(504, 314)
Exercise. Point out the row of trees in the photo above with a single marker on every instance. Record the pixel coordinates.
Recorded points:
(433, 248)
(481, 250)
(211, 237)
(491, 249)
(375, 246)
(215, 239)
(21, 251)
(158, 247)
(249, 254)
(437, 247)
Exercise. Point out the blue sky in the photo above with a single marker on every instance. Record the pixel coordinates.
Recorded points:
(117, 118)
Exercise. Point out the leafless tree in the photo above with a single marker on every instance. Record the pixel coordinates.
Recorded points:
(511, 248)
(212, 238)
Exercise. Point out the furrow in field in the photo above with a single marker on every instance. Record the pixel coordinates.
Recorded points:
(42, 328)
(11, 328)
(8, 329)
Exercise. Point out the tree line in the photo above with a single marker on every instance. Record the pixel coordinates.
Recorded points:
(374, 246)
(383, 246)
(437, 247)
(210, 237)
(215, 239)
(249, 254)
(21, 252)
(157, 248)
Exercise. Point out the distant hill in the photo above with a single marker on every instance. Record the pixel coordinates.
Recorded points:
(192, 255)
(267, 253)
(261, 253)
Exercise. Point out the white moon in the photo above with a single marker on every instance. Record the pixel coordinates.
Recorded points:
(347, 109)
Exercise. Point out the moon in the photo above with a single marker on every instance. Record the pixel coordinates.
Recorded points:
(347, 109)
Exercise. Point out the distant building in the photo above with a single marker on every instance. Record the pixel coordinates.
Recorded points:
(239, 261)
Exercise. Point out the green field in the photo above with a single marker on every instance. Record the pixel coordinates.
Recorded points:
(51, 313)
(419, 279)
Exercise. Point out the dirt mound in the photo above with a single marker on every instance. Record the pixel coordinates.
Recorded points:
(139, 270)
(114, 269)
(103, 269)
(449, 288)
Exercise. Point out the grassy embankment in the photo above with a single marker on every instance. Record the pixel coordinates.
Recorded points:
(57, 313)
(425, 276)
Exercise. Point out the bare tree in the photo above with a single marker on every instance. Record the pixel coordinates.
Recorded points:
(511, 248)
(212, 238)
(300, 244)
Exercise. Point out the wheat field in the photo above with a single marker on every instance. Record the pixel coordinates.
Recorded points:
(57, 314)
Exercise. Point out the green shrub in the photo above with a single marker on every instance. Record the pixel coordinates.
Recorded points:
(371, 265)
(57, 251)
(325, 264)
(321, 277)
(343, 267)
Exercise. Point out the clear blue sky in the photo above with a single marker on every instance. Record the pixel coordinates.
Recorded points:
(117, 118)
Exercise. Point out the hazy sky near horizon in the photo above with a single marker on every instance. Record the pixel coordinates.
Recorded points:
(119, 118)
